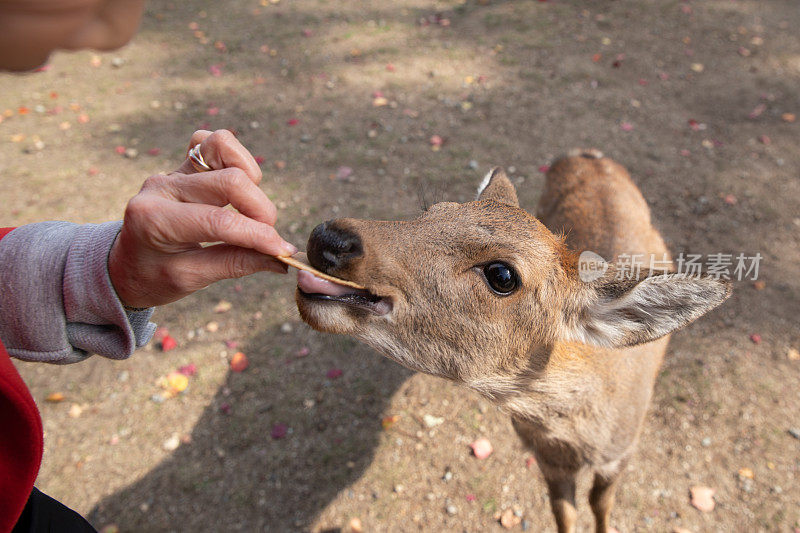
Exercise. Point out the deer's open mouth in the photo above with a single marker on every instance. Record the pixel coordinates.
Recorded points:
(314, 288)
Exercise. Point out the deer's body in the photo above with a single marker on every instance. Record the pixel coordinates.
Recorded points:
(572, 362)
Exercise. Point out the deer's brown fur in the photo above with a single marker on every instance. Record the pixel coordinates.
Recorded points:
(572, 362)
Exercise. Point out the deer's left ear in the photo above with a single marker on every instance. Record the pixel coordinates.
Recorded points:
(617, 313)
(496, 186)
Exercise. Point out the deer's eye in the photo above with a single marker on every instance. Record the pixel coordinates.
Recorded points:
(501, 278)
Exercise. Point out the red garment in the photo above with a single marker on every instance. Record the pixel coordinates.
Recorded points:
(21, 439)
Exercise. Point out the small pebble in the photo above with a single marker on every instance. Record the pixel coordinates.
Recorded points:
(706, 442)
(286, 327)
(795, 432)
(452, 509)
(473, 164)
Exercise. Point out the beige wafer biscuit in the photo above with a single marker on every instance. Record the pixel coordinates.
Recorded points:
(300, 261)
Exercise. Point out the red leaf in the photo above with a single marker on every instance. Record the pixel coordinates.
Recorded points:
(120, 150)
(755, 337)
(334, 373)
(293, 122)
(188, 370)
(168, 343)
(239, 362)
(260, 159)
(154, 151)
(215, 70)
(279, 431)
(544, 168)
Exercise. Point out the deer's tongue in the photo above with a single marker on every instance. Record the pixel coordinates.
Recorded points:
(311, 284)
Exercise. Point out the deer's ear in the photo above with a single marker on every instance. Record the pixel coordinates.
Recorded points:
(617, 313)
(496, 186)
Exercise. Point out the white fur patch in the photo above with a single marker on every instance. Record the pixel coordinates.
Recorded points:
(485, 183)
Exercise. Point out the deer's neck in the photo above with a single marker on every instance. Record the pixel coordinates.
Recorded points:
(558, 380)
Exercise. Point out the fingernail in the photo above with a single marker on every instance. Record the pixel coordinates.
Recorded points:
(290, 248)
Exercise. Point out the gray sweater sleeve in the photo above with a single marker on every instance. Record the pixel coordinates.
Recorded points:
(57, 303)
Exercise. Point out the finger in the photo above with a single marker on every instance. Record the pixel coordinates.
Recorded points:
(223, 261)
(176, 222)
(222, 187)
(221, 149)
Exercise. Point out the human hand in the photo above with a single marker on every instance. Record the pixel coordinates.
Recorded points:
(157, 257)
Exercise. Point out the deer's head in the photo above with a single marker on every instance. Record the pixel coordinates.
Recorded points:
(472, 290)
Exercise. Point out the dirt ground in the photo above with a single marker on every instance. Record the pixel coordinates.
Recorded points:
(341, 100)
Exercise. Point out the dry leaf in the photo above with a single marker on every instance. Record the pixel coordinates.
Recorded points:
(223, 306)
(702, 498)
(239, 362)
(482, 448)
(55, 397)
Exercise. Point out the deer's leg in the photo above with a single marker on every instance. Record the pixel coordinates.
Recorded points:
(562, 500)
(602, 495)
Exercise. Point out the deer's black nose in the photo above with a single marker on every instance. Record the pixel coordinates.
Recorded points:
(331, 248)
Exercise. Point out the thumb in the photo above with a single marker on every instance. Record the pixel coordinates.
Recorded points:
(225, 261)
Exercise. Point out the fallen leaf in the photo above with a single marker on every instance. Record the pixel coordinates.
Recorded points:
(168, 343)
(343, 173)
(154, 151)
(471, 497)
(788, 117)
(702, 498)
(746, 473)
(508, 519)
(176, 382)
(759, 285)
(793, 354)
(755, 338)
(75, 410)
(188, 370)
(302, 352)
(355, 525)
(389, 421)
(530, 462)
(55, 397)
(379, 101)
(172, 443)
(280, 165)
(730, 199)
(626, 126)
(223, 306)
(279, 431)
(120, 150)
(239, 362)
(292, 122)
(390, 67)
(212, 327)
(231, 344)
(482, 448)
(260, 159)
(757, 111)
(544, 168)
(334, 373)
(83, 118)
(698, 67)
(432, 421)
(215, 70)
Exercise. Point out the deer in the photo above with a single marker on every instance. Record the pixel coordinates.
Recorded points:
(487, 295)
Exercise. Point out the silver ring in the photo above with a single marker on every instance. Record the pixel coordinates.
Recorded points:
(196, 158)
